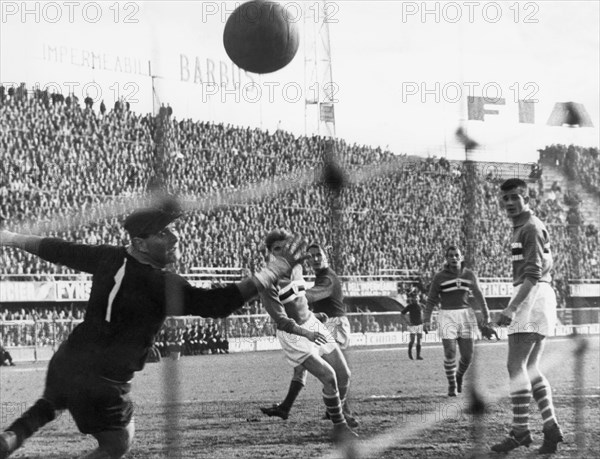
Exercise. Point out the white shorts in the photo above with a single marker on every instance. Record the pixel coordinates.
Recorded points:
(298, 348)
(415, 329)
(457, 323)
(339, 327)
(538, 314)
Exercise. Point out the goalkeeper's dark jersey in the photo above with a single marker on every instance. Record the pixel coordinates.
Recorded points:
(127, 305)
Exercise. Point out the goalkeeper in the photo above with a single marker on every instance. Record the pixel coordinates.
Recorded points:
(132, 294)
(457, 322)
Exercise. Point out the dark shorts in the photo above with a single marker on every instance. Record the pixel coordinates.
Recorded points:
(97, 404)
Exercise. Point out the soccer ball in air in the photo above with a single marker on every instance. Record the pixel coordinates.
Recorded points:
(261, 36)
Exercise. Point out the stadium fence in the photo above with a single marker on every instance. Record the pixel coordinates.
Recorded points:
(36, 340)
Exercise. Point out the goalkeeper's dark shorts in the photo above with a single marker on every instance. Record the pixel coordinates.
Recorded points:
(97, 404)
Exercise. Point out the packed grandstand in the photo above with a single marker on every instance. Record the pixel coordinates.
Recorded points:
(63, 156)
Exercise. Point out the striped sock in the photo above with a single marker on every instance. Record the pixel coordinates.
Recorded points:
(463, 366)
(542, 393)
(450, 369)
(333, 406)
(520, 400)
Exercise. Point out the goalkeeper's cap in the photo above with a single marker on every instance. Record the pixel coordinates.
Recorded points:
(147, 221)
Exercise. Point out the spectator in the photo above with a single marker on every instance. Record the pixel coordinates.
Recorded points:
(5, 357)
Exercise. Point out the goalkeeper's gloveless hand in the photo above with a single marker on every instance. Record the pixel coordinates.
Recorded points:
(294, 251)
(292, 254)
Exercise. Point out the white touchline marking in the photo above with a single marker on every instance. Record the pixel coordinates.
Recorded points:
(432, 346)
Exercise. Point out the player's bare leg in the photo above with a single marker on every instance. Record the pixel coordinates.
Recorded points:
(342, 372)
(296, 385)
(338, 362)
(419, 337)
(450, 365)
(465, 347)
(542, 393)
(410, 345)
(112, 444)
(325, 373)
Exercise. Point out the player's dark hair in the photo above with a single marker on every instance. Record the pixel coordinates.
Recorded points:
(452, 247)
(276, 236)
(513, 183)
(315, 245)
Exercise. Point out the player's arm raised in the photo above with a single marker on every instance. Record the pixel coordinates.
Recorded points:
(184, 299)
(292, 254)
(25, 242)
(81, 257)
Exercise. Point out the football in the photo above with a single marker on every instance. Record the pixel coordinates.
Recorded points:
(260, 36)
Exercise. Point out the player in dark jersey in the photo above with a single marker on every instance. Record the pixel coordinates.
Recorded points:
(326, 300)
(531, 316)
(415, 327)
(132, 293)
(457, 321)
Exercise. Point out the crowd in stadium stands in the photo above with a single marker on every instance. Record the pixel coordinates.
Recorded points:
(61, 158)
(580, 164)
(193, 339)
(72, 312)
(187, 336)
(43, 327)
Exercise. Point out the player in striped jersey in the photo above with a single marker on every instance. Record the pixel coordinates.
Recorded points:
(326, 300)
(307, 342)
(457, 320)
(531, 316)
